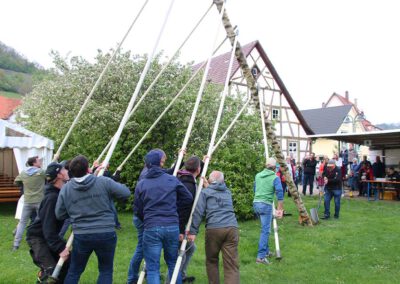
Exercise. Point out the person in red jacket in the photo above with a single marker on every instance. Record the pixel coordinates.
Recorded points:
(365, 173)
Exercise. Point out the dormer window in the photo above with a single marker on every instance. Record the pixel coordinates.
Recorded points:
(255, 71)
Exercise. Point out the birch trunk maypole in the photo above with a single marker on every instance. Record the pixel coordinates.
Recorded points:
(251, 84)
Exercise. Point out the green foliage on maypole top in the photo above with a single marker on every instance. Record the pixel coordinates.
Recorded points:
(53, 104)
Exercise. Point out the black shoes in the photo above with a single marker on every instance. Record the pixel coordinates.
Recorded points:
(188, 279)
(325, 218)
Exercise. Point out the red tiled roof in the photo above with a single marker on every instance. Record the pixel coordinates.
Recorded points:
(368, 126)
(219, 68)
(219, 64)
(7, 106)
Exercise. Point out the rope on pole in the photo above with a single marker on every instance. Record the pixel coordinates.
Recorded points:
(96, 84)
(204, 171)
(158, 76)
(136, 92)
(167, 108)
(198, 99)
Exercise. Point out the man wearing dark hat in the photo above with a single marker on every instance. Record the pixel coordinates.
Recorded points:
(333, 188)
(157, 197)
(33, 179)
(86, 200)
(46, 246)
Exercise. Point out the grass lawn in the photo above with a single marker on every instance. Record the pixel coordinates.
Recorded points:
(10, 95)
(363, 246)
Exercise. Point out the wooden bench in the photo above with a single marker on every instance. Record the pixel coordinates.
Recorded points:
(9, 194)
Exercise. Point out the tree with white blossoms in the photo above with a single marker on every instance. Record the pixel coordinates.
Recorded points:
(53, 104)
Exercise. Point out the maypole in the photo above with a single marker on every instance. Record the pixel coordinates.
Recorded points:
(251, 84)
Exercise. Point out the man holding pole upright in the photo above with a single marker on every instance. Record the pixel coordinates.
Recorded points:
(43, 236)
(86, 200)
(222, 234)
(267, 183)
(157, 197)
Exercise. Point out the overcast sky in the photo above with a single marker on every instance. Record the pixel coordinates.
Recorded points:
(317, 47)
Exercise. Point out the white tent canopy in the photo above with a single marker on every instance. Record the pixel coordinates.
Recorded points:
(25, 144)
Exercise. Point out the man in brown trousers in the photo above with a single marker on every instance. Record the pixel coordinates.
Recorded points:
(215, 203)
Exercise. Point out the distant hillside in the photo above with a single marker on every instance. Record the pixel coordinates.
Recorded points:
(16, 72)
(11, 60)
(387, 126)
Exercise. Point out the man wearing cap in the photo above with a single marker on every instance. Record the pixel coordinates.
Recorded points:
(33, 179)
(46, 246)
(266, 184)
(86, 200)
(333, 188)
(157, 197)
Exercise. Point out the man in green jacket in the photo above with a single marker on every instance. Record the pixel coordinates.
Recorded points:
(267, 183)
(33, 179)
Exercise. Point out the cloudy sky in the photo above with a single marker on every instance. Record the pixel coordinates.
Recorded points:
(317, 47)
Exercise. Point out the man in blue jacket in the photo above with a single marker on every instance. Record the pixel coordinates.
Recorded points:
(157, 197)
(86, 200)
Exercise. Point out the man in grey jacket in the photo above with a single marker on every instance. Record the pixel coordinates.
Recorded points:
(215, 203)
(86, 201)
(33, 179)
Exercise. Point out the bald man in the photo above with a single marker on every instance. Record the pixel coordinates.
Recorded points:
(216, 204)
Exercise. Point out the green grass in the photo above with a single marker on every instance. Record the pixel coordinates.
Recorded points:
(361, 247)
(11, 95)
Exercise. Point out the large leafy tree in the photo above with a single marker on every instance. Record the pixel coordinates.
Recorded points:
(52, 105)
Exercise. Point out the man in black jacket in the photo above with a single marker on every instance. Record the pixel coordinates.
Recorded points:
(333, 188)
(46, 246)
(309, 165)
(188, 178)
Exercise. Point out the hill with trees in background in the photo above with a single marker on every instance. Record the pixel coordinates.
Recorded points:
(17, 74)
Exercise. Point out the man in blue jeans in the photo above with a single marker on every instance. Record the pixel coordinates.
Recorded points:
(267, 183)
(157, 197)
(86, 200)
(333, 188)
(309, 165)
(136, 260)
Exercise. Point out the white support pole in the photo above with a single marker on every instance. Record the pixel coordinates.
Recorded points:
(136, 92)
(166, 109)
(233, 122)
(198, 99)
(275, 223)
(158, 77)
(97, 83)
(205, 167)
(61, 261)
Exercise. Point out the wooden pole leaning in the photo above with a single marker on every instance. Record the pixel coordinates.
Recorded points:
(136, 92)
(158, 77)
(251, 84)
(97, 83)
(182, 249)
